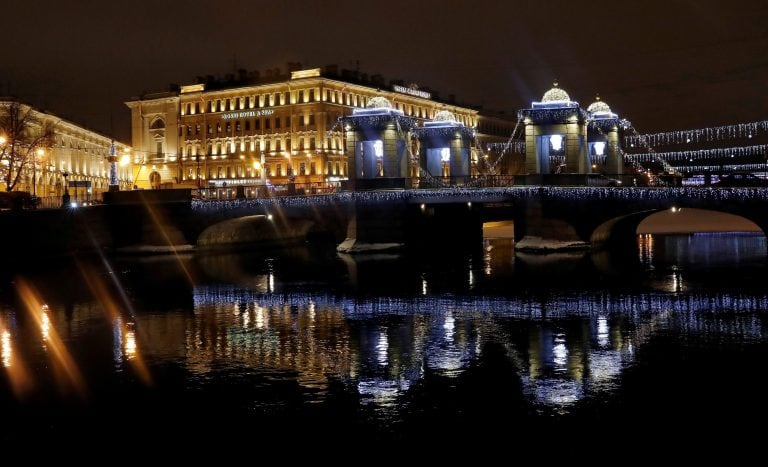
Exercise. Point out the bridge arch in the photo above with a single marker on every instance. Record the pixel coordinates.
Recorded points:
(621, 232)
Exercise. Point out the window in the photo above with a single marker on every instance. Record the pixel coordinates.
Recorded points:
(277, 122)
(267, 123)
(302, 168)
(220, 172)
(278, 169)
(257, 124)
(312, 170)
(311, 119)
(288, 121)
(229, 127)
(311, 95)
(159, 149)
(237, 126)
(197, 129)
(247, 125)
(312, 143)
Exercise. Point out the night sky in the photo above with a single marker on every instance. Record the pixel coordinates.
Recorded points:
(664, 65)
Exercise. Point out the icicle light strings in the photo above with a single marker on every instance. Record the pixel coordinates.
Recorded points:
(718, 153)
(720, 133)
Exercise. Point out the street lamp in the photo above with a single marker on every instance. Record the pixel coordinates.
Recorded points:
(65, 196)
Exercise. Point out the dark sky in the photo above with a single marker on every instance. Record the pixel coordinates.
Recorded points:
(664, 65)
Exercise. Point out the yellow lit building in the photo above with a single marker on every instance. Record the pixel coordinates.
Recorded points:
(257, 130)
(73, 156)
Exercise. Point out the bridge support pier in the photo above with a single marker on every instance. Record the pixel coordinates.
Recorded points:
(536, 230)
(399, 225)
(379, 229)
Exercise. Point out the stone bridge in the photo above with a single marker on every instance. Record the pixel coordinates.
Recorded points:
(606, 217)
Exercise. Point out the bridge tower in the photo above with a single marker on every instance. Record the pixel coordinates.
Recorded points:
(603, 132)
(444, 147)
(377, 146)
(555, 135)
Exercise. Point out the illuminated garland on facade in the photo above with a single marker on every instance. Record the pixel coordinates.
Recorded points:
(379, 122)
(720, 133)
(608, 124)
(557, 115)
(444, 132)
(515, 147)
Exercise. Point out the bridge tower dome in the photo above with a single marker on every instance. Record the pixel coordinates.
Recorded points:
(377, 146)
(444, 146)
(555, 135)
(603, 134)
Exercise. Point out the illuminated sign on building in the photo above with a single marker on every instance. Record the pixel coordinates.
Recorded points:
(247, 113)
(411, 91)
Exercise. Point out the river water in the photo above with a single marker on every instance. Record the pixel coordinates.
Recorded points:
(304, 342)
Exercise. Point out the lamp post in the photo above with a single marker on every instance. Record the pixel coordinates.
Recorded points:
(65, 196)
(38, 153)
(114, 183)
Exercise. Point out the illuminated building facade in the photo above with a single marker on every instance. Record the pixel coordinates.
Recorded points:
(72, 155)
(262, 130)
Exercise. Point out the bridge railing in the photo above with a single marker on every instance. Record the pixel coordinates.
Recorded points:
(267, 191)
(472, 181)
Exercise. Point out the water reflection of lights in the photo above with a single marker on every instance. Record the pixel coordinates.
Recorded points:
(449, 326)
(382, 347)
(558, 391)
(423, 286)
(45, 324)
(380, 391)
(675, 282)
(261, 317)
(443, 334)
(6, 352)
(130, 344)
(602, 331)
(645, 248)
(487, 258)
(560, 353)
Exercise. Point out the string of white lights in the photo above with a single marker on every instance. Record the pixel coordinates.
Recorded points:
(732, 152)
(461, 194)
(718, 168)
(720, 133)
